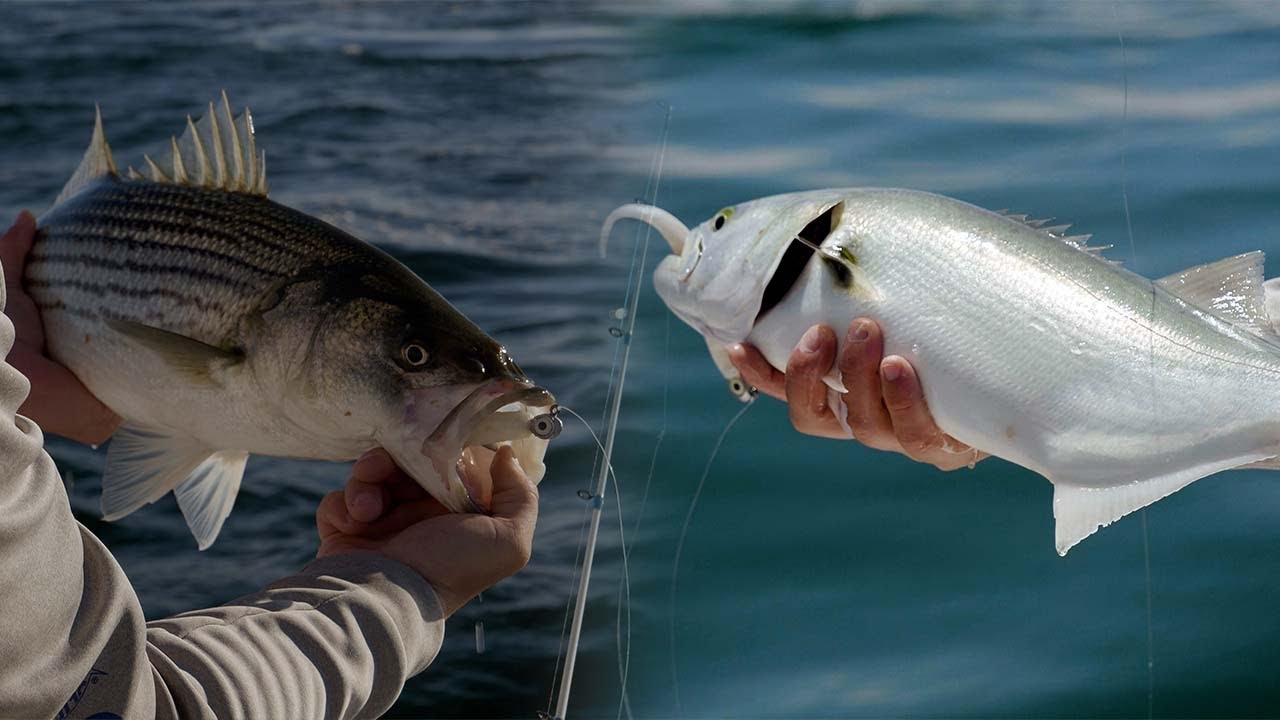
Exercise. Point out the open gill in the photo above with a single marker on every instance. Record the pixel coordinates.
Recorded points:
(797, 257)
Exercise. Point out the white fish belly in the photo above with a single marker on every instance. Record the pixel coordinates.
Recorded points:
(1025, 362)
(235, 414)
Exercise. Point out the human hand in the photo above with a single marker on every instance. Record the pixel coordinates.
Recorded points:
(886, 406)
(58, 402)
(383, 511)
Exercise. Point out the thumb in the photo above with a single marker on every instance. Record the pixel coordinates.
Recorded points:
(514, 496)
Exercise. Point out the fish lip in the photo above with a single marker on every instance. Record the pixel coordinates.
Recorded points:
(486, 399)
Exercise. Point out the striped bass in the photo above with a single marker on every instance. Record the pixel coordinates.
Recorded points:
(219, 323)
(1027, 343)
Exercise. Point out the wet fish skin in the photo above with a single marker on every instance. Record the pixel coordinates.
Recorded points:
(237, 272)
(219, 323)
(1027, 343)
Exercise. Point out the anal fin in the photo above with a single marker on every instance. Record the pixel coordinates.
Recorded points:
(1080, 510)
(208, 493)
(1267, 464)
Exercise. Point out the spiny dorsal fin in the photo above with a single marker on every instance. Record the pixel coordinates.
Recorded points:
(96, 164)
(217, 152)
(1059, 232)
(1230, 289)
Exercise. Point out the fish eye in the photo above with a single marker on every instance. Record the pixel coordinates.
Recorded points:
(721, 218)
(414, 354)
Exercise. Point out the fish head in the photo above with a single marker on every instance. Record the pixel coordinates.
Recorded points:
(724, 274)
(720, 280)
(430, 387)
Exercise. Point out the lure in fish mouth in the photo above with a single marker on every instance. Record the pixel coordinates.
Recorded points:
(219, 323)
(1027, 343)
(458, 451)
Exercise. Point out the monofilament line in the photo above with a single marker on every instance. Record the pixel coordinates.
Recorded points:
(1133, 252)
(602, 482)
(624, 599)
(684, 531)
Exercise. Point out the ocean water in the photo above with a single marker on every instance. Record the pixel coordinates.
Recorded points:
(482, 143)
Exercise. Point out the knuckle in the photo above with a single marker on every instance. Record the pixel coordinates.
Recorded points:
(899, 404)
(917, 443)
(800, 419)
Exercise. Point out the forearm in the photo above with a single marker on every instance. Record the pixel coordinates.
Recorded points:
(69, 615)
(337, 640)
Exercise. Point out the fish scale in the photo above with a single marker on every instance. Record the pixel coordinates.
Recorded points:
(218, 324)
(220, 251)
(1028, 345)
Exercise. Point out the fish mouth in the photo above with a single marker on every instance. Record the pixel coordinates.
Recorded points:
(501, 412)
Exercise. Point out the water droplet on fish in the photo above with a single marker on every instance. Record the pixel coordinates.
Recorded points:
(620, 313)
(973, 464)
(615, 331)
(915, 348)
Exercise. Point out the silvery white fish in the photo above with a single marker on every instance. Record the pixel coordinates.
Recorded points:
(1028, 344)
(219, 323)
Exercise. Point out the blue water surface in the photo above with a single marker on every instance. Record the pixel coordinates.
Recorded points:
(482, 143)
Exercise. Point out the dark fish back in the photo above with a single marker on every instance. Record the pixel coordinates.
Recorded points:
(185, 259)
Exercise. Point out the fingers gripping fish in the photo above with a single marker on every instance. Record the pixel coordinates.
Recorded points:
(219, 323)
(1028, 344)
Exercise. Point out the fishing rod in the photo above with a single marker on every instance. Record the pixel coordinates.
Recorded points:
(597, 494)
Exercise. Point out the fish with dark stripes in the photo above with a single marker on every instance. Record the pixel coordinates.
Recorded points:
(219, 323)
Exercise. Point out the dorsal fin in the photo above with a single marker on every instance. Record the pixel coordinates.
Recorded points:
(216, 152)
(1230, 289)
(1058, 232)
(95, 164)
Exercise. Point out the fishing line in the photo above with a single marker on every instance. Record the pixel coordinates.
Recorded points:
(662, 432)
(614, 406)
(688, 520)
(626, 571)
(1128, 220)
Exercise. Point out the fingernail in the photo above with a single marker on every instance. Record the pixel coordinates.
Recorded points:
(860, 332)
(367, 506)
(891, 370)
(372, 464)
(811, 340)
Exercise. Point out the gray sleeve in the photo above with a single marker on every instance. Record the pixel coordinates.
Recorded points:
(336, 640)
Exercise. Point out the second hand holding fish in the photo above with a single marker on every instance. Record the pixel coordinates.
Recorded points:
(57, 401)
(385, 512)
(885, 403)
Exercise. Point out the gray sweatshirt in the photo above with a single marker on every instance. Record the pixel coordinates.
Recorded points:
(336, 640)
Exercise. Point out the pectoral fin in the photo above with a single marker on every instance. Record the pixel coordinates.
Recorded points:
(193, 359)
